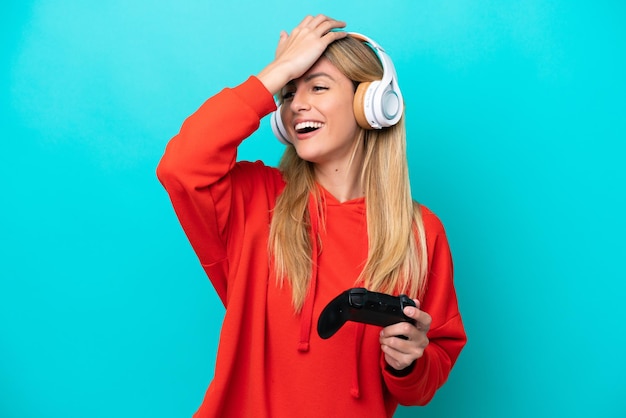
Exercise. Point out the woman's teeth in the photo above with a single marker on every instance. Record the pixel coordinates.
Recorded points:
(308, 126)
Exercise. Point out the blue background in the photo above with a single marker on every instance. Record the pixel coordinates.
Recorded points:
(517, 128)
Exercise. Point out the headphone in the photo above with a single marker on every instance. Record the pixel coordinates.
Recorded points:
(377, 104)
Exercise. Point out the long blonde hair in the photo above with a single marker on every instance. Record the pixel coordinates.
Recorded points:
(397, 255)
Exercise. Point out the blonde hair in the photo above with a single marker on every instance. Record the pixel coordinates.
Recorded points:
(397, 255)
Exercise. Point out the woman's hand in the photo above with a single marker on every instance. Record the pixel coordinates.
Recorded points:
(298, 51)
(400, 353)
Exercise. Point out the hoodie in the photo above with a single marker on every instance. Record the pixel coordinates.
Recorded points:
(270, 362)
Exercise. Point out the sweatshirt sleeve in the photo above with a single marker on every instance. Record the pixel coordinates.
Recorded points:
(196, 170)
(447, 334)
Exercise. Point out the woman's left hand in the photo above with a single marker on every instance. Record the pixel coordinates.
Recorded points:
(401, 353)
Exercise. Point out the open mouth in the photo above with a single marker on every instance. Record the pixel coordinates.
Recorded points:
(308, 126)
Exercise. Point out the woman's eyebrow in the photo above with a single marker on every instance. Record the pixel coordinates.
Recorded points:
(320, 74)
(310, 77)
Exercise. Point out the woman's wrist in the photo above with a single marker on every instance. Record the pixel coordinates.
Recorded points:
(403, 372)
(274, 77)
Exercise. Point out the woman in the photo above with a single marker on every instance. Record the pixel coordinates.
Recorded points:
(279, 244)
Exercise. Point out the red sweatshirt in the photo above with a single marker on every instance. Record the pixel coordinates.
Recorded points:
(270, 360)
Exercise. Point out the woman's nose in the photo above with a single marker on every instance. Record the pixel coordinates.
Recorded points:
(299, 102)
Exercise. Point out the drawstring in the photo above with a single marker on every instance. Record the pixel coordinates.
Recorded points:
(355, 390)
(307, 309)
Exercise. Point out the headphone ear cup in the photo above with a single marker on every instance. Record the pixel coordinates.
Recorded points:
(358, 105)
(276, 121)
(391, 106)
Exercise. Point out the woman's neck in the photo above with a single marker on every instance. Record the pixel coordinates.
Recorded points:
(344, 183)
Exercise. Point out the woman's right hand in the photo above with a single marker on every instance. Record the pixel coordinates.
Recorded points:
(298, 51)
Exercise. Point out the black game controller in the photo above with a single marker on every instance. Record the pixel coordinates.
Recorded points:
(361, 305)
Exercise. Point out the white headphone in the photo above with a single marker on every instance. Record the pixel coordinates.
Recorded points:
(377, 104)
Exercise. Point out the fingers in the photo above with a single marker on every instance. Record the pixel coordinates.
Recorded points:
(403, 336)
(298, 51)
(422, 319)
(321, 24)
(400, 352)
(422, 323)
(318, 29)
(398, 360)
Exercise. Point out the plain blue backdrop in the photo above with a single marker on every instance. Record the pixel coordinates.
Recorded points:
(517, 127)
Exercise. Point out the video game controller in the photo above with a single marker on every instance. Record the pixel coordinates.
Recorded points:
(361, 305)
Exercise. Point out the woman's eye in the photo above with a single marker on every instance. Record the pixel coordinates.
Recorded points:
(319, 88)
(287, 95)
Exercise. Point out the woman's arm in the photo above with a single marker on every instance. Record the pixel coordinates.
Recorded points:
(440, 334)
(195, 169)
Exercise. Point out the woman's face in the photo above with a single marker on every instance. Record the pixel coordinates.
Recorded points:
(318, 116)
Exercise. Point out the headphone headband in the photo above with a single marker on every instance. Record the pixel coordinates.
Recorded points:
(389, 71)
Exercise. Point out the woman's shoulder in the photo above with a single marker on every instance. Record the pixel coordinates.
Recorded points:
(432, 222)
